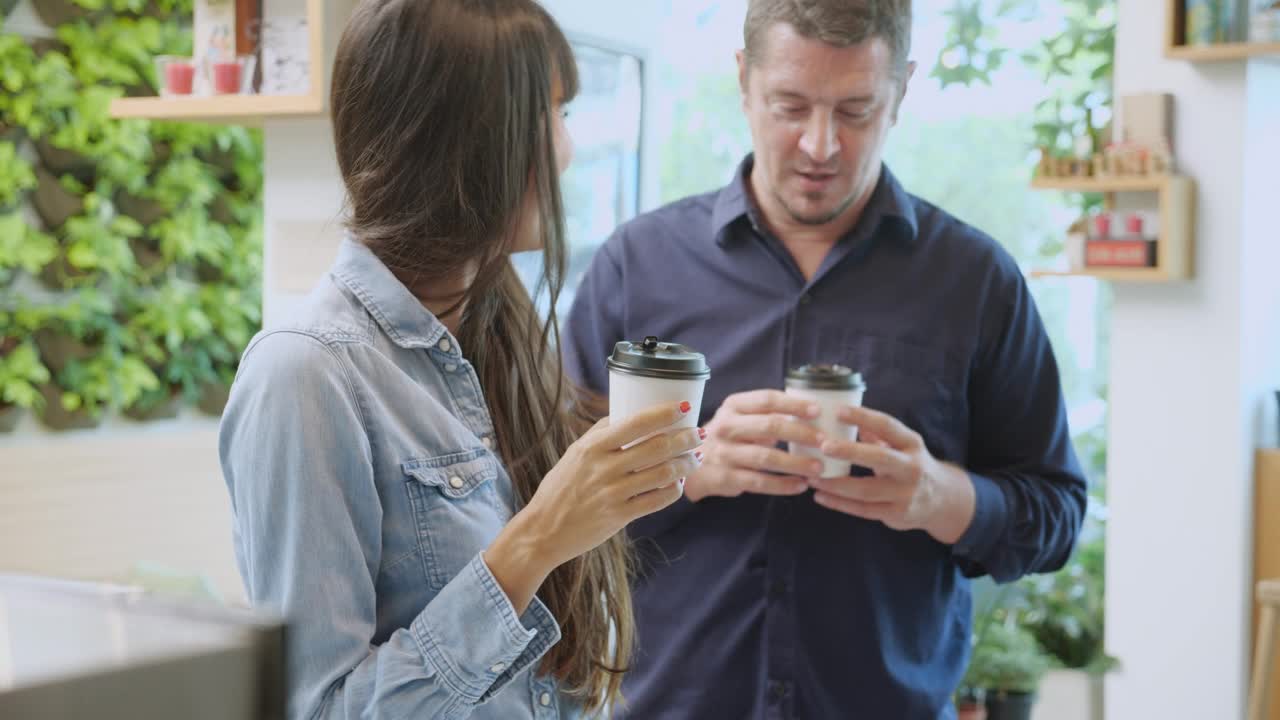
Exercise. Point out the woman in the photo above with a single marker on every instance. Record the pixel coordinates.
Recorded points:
(407, 489)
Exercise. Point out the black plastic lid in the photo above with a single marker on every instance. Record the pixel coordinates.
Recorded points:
(652, 358)
(825, 377)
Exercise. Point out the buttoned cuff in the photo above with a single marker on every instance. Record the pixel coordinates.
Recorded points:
(990, 515)
(472, 637)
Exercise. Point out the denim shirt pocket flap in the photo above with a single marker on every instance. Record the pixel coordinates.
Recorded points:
(455, 475)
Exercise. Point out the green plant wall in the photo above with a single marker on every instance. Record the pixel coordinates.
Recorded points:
(130, 250)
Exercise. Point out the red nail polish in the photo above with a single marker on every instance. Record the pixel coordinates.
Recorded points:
(702, 433)
(698, 456)
(685, 406)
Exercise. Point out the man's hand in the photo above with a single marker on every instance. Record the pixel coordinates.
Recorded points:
(908, 490)
(740, 452)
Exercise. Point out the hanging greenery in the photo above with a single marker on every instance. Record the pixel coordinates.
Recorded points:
(130, 250)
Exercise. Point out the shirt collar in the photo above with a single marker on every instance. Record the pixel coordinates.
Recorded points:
(400, 314)
(889, 202)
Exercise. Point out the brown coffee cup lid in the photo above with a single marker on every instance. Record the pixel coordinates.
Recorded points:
(822, 376)
(654, 358)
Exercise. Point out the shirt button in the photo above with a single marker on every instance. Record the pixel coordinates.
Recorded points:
(444, 344)
(455, 482)
(778, 588)
(497, 668)
(487, 441)
(777, 691)
(451, 367)
(545, 699)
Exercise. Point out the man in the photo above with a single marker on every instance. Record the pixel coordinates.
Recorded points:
(768, 594)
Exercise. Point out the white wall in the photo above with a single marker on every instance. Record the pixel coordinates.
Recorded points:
(1188, 362)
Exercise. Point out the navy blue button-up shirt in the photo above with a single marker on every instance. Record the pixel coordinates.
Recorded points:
(776, 607)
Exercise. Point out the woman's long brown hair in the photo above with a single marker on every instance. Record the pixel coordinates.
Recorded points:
(442, 123)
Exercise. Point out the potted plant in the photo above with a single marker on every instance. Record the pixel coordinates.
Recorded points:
(187, 237)
(242, 264)
(971, 703)
(21, 371)
(235, 314)
(172, 208)
(19, 62)
(57, 198)
(21, 374)
(82, 134)
(78, 394)
(171, 332)
(16, 177)
(116, 51)
(95, 244)
(61, 12)
(1008, 664)
(22, 247)
(74, 330)
(84, 389)
(1065, 613)
(41, 93)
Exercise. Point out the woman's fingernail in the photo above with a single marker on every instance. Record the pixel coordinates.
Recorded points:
(698, 456)
(702, 433)
(685, 407)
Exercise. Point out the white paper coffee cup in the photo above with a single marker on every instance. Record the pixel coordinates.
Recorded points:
(832, 387)
(649, 373)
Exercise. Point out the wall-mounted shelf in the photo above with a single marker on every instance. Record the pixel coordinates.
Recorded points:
(1127, 275)
(241, 109)
(1223, 52)
(1176, 47)
(229, 109)
(1174, 246)
(1094, 184)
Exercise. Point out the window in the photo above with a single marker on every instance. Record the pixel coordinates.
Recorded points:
(602, 186)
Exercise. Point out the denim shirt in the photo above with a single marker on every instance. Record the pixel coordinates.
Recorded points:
(359, 454)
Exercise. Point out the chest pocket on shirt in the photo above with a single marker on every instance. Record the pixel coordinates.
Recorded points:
(457, 509)
(915, 382)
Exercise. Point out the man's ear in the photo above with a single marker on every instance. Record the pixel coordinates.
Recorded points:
(902, 91)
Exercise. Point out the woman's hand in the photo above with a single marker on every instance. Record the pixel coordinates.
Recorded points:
(595, 490)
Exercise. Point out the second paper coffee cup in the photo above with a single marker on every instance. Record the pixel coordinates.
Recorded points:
(651, 372)
(831, 387)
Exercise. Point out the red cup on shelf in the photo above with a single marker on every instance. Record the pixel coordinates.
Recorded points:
(1102, 226)
(231, 77)
(1133, 225)
(226, 78)
(177, 75)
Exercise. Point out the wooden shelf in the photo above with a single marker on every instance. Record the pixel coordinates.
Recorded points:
(1176, 47)
(230, 109)
(1223, 52)
(1174, 247)
(1151, 275)
(1119, 183)
(241, 109)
